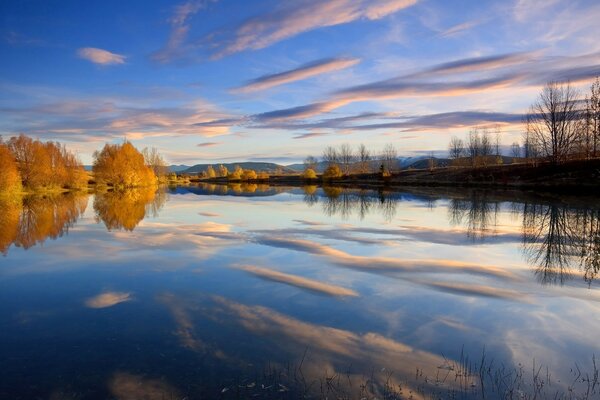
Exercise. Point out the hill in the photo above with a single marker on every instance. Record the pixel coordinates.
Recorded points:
(257, 166)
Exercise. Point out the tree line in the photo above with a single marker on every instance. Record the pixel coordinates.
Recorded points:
(31, 164)
(344, 160)
(238, 174)
(561, 125)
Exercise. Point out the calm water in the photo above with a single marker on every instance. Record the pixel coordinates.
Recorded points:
(242, 291)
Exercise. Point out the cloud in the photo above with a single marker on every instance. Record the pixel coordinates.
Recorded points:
(107, 299)
(100, 56)
(175, 46)
(303, 72)
(76, 117)
(310, 135)
(460, 28)
(298, 281)
(208, 144)
(293, 18)
(126, 386)
(488, 73)
(342, 258)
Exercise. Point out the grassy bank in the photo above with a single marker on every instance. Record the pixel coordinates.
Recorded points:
(580, 175)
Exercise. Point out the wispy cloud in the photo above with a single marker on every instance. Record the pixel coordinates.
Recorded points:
(310, 135)
(107, 299)
(299, 281)
(461, 28)
(179, 21)
(303, 72)
(487, 74)
(208, 144)
(100, 56)
(293, 18)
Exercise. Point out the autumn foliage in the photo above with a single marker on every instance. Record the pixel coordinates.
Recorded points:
(122, 166)
(10, 180)
(37, 165)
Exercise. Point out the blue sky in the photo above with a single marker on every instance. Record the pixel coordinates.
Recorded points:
(209, 81)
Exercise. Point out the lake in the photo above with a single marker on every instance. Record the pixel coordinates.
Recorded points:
(274, 292)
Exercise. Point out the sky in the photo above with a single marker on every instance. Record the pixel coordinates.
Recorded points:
(273, 80)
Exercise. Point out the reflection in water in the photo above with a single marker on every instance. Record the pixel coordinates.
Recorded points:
(476, 213)
(345, 202)
(558, 237)
(30, 220)
(125, 209)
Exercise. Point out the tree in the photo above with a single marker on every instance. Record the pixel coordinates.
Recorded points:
(456, 148)
(516, 150)
(122, 166)
(364, 159)
(331, 172)
(248, 175)
(155, 161)
(32, 160)
(48, 164)
(223, 171)
(331, 156)
(474, 146)
(310, 162)
(210, 172)
(553, 121)
(432, 162)
(309, 173)
(593, 106)
(389, 157)
(10, 180)
(486, 148)
(346, 157)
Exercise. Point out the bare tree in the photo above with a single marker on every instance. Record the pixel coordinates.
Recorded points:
(432, 162)
(346, 157)
(591, 129)
(331, 156)
(310, 162)
(389, 157)
(456, 148)
(553, 121)
(474, 145)
(486, 144)
(364, 158)
(516, 150)
(154, 160)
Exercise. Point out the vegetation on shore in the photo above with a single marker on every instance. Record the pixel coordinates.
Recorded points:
(31, 166)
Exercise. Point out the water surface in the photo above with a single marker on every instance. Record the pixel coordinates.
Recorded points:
(216, 291)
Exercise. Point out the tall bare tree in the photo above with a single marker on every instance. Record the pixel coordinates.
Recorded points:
(346, 157)
(456, 148)
(310, 162)
(593, 118)
(389, 157)
(331, 156)
(364, 158)
(553, 121)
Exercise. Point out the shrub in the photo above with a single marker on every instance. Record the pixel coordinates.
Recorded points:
(331, 172)
(248, 174)
(309, 173)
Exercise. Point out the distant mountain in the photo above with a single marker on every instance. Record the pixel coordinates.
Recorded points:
(178, 168)
(256, 166)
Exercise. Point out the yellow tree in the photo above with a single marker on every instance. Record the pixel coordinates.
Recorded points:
(10, 180)
(122, 166)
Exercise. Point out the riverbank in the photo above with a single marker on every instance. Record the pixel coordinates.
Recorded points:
(579, 175)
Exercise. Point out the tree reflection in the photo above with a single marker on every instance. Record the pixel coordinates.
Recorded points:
(478, 214)
(345, 202)
(558, 237)
(27, 221)
(126, 209)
